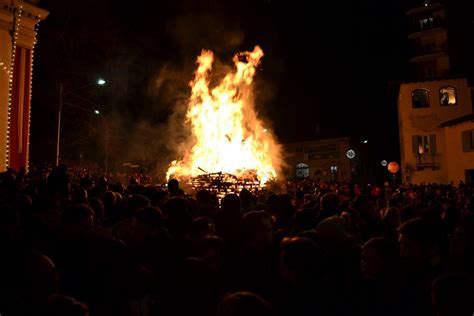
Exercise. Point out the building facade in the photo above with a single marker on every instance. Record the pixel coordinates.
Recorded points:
(319, 159)
(459, 135)
(424, 143)
(428, 36)
(440, 38)
(432, 108)
(18, 28)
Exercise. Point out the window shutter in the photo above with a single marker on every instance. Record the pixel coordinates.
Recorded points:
(432, 144)
(465, 141)
(414, 141)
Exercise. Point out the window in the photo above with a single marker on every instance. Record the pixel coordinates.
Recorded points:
(420, 99)
(333, 170)
(447, 96)
(426, 23)
(424, 144)
(468, 140)
(302, 170)
(469, 173)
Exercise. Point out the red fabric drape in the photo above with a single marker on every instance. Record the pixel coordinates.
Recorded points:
(20, 109)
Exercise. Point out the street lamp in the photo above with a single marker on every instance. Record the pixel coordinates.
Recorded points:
(100, 82)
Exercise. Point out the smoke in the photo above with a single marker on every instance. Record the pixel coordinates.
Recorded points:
(153, 141)
(168, 136)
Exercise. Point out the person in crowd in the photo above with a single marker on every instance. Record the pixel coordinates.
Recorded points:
(453, 294)
(77, 243)
(244, 304)
(380, 272)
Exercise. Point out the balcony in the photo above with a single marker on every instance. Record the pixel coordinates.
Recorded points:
(429, 48)
(427, 160)
(429, 52)
(432, 26)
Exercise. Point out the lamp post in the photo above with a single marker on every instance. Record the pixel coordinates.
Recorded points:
(99, 82)
(106, 125)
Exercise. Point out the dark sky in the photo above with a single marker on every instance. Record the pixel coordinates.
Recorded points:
(326, 69)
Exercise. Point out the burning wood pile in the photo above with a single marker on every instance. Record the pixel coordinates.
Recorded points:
(225, 183)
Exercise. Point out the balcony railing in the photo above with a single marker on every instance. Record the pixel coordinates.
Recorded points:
(427, 160)
(428, 25)
(423, 50)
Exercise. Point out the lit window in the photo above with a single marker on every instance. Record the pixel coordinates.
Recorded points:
(447, 96)
(426, 23)
(333, 173)
(420, 99)
(424, 144)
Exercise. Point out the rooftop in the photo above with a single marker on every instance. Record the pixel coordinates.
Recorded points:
(459, 120)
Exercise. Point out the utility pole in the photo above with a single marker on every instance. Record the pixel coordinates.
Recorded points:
(106, 144)
(59, 122)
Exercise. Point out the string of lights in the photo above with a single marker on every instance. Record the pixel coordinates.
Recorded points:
(17, 12)
(31, 80)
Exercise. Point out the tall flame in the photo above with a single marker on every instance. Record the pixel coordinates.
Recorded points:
(227, 134)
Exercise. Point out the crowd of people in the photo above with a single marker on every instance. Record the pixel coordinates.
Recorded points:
(82, 244)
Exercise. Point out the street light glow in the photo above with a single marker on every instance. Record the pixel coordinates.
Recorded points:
(100, 82)
(365, 141)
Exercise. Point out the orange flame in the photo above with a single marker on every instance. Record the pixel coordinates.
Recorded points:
(228, 135)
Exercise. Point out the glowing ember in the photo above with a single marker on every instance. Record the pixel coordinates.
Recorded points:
(227, 134)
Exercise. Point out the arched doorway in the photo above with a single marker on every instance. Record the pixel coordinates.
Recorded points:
(302, 170)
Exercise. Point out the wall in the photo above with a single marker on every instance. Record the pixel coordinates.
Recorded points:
(425, 121)
(308, 152)
(461, 160)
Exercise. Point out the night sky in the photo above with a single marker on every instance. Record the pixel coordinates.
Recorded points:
(328, 68)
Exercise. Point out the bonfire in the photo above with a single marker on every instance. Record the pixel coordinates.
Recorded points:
(229, 142)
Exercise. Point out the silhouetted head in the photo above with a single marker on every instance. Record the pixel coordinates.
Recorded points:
(380, 257)
(304, 219)
(61, 305)
(301, 260)
(244, 304)
(420, 240)
(147, 223)
(173, 186)
(231, 205)
(78, 214)
(257, 229)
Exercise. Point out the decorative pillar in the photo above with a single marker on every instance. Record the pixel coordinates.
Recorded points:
(19, 22)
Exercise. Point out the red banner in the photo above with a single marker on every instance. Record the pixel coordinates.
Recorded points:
(20, 109)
